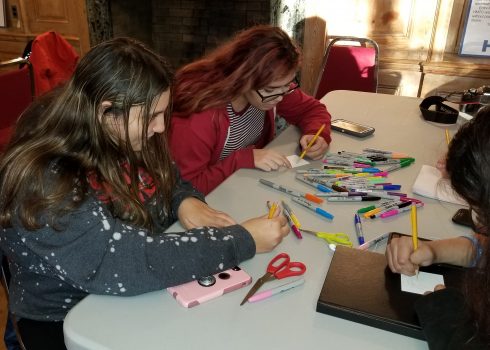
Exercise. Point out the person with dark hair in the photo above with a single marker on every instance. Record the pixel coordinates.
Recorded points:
(225, 106)
(453, 319)
(87, 189)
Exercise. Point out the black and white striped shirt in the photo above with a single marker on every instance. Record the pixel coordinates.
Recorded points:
(245, 129)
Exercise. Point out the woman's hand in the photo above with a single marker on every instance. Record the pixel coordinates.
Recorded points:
(267, 233)
(195, 213)
(402, 259)
(317, 150)
(268, 159)
(441, 166)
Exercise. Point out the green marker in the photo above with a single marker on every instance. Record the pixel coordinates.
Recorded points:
(366, 209)
(399, 166)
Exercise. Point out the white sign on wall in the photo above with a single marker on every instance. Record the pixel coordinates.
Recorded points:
(476, 35)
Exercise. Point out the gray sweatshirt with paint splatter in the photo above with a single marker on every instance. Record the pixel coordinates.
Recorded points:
(96, 253)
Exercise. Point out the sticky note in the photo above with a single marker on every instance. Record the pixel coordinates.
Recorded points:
(424, 282)
(296, 161)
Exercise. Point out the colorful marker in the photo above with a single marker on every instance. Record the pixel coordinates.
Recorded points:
(399, 166)
(310, 206)
(393, 212)
(293, 193)
(385, 153)
(273, 291)
(308, 181)
(353, 199)
(290, 211)
(374, 242)
(359, 233)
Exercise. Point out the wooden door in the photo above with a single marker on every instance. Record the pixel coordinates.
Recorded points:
(67, 17)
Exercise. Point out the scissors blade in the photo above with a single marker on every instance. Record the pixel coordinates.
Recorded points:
(260, 282)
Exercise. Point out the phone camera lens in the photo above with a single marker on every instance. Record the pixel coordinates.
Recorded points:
(236, 268)
(224, 275)
(207, 281)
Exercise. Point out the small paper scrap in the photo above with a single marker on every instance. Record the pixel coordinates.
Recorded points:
(296, 161)
(424, 282)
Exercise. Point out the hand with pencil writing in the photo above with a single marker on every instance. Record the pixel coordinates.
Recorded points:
(195, 213)
(317, 150)
(403, 259)
(268, 159)
(267, 233)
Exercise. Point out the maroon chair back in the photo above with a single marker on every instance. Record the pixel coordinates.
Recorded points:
(348, 67)
(16, 94)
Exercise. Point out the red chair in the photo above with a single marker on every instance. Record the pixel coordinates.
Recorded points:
(53, 59)
(349, 64)
(16, 94)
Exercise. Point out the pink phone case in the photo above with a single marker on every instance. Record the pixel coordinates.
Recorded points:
(192, 293)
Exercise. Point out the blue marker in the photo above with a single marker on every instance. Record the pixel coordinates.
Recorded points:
(310, 206)
(388, 187)
(360, 234)
(318, 186)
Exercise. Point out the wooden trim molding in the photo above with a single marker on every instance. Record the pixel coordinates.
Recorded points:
(481, 71)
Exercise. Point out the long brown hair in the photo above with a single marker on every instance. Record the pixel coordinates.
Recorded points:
(468, 165)
(62, 137)
(250, 60)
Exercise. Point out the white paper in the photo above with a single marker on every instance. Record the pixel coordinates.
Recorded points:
(424, 282)
(429, 183)
(296, 161)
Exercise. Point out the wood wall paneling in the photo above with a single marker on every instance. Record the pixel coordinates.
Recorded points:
(69, 18)
(418, 40)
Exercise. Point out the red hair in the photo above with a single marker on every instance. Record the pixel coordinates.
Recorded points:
(251, 60)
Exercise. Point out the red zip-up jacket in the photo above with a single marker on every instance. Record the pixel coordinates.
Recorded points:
(196, 140)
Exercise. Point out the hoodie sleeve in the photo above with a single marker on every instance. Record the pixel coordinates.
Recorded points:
(100, 254)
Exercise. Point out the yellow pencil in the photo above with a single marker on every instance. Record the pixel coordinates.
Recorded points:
(312, 141)
(448, 138)
(272, 210)
(413, 218)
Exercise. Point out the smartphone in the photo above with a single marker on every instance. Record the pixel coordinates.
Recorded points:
(351, 128)
(206, 288)
(463, 217)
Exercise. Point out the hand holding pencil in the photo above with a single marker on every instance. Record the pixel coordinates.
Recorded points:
(315, 146)
(268, 230)
(402, 257)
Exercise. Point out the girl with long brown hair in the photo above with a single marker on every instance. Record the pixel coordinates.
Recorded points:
(87, 189)
(225, 106)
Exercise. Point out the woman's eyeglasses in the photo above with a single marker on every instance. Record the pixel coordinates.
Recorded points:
(267, 98)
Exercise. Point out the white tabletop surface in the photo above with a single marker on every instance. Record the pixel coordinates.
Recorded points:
(289, 320)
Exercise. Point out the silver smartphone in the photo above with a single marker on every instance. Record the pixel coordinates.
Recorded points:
(351, 128)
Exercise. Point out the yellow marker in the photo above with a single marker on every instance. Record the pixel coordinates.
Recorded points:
(375, 211)
(413, 219)
(448, 138)
(312, 141)
(272, 210)
(291, 214)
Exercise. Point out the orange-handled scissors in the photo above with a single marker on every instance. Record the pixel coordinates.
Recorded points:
(280, 267)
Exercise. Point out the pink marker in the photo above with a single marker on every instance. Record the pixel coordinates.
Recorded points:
(408, 199)
(270, 292)
(393, 212)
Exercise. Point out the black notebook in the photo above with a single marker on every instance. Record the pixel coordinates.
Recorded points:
(360, 287)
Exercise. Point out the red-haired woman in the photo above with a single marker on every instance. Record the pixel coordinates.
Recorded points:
(225, 106)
